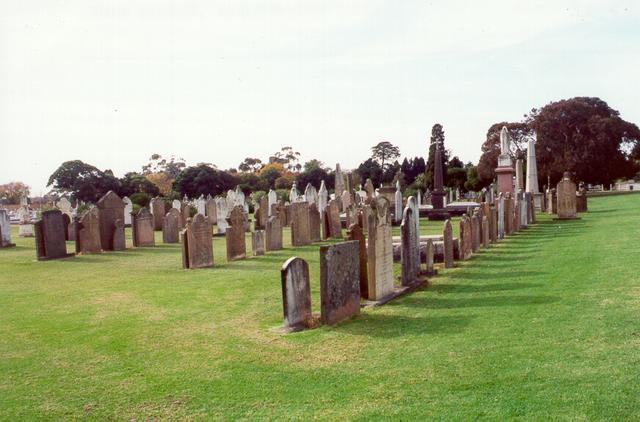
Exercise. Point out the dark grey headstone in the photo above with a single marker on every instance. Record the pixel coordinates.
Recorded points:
(339, 281)
(296, 293)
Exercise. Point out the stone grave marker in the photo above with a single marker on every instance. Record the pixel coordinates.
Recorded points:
(88, 232)
(566, 194)
(273, 234)
(66, 222)
(339, 282)
(356, 233)
(211, 210)
(50, 234)
(448, 244)
(300, 235)
(111, 208)
(197, 245)
(429, 258)
(128, 209)
(158, 211)
(236, 244)
(257, 243)
(171, 226)
(5, 230)
(296, 294)
(380, 250)
(314, 223)
(333, 225)
(142, 231)
(410, 248)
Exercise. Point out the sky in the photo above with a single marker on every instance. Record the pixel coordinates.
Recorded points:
(112, 82)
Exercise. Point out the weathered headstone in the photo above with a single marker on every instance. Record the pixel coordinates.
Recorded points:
(200, 205)
(581, 200)
(272, 198)
(118, 239)
(222, 225)
(111, 208)
(257, 243)
(485, 232)
(380, 250)
(300, 235)
(25, 228)
(552, 201)
(310, 194)
(448, 244)
(410, 249)
(236, 245)
(323, 198)
(142, 232)
(158, 211)
(566, 191)
(273, 234)
(176, 204)
(339, 281)
(128, 209)
(314, 223)
(371, 191)
(66, 222)
(197, 245)
(171, 226)
(50, 234)
(262, 213)
(211, 210)
(508, 214)
(339, 182)
(332, 217)
(185, 213)
(397, 212)
(356, 233)
(296, 294)
(475, 231)
(429, 258)
(88, 232)
(5, 230)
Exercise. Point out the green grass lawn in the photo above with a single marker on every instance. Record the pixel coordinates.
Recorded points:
(543, 325)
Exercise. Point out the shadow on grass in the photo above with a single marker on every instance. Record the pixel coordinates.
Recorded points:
(496, 287)
(389, 326)
(478, 302)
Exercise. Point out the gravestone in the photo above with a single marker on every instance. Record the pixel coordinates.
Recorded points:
(157, 209)
(485, 232)
(370, 190)
(236, 245)
(552, 202)
(581, 199)
(272, 198)
(323, 198)
(118, 239)
(176, 204)
(501, 215)
(26, 228)
(142, 231)
(516, 214)
(397, 213)
(5, 230)
(493, 225)
(273, 234)
(475, 232)
(508, 214)
(50, 234)
(566, 193)
(171, 226)
(211, 210)
(300, 235)
(197, 245)
(128, 209)
(200, 205)
(339, 182)
(257, 242)
(66, 222)
(413, 204)
(333, 220)
(356, 233)
(339, 282)
(221, 210)
(447, 237)
(262, 213)
(310, 194)
(296, 294)
(111, 208)
(314, 223)
(185, 214)
(88, 232)
(429, 258)
(410, 248)
(380, 250)
(346, 200)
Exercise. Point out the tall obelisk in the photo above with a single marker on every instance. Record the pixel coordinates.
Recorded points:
(532, 175)
(505, 170)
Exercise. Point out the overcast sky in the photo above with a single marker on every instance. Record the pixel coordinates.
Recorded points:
(111, 82)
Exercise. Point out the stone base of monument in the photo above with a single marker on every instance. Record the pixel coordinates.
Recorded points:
(397, 292)
(438, 214)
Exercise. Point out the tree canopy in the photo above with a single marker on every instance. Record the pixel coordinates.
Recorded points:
(383, 152)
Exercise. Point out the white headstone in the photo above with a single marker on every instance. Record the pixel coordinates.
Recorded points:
(323, 197)
(273, 199)
(398, 203)
(310, 194)
(293, 193)
(176, 204)
(201, 205)
(128, 209)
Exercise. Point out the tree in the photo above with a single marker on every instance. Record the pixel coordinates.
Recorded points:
(172, 166)
(586, 137)
(203, 180)
(313, 173)
(163, 182)
(437, 138)
(270, 173)
(136, 183)
(289, 159)
(384, 151)
(82, 181)
(250, 165)
(370, 169)
(473, 182)
(11, 192)
(520, 134)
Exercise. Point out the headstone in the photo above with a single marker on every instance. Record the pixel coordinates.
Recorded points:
(476, 232)
(176, 204)
(5, 230)
(501, 216)
(465, 238)
(429, 258)
(314, 223)
(201, 205)
(332, 217)
(339, 282)
(413, 204)
(519, 175)
(310, 194)
(171, 226)
(273, 234)
(485, 232)
(493, 225)
(142, 232)
(128, 209)
(26, 228)
(88, 232)
(50, 234)
(296, 294)
(398, 204)
(272, 198)
(236, 245)
(64, 205)
(66, 222)
(111, 208)
(356, 233)
(552, 202)
(293, 193)
(262, 213)
(185, 213)
(257, 243)
(566, 192)
(221, 208)
(448, 244)
(410, 249)
(380, 250)
(157, 209)
(368, 187)
(300, 235)
(505, 171)
(345, 198)
(339, 182)
(197, 245)
(508, 214)
(211, 210)
(323, 198)
(118, 239)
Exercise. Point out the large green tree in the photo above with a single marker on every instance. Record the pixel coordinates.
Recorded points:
(520, 133)
(203, 180)
(384, 152)
(82, 181)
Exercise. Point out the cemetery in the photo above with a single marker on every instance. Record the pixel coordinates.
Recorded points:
(372, 274)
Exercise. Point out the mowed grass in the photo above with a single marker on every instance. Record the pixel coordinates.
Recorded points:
(542, 326)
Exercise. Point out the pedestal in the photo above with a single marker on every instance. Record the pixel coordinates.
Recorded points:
(505, 179)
